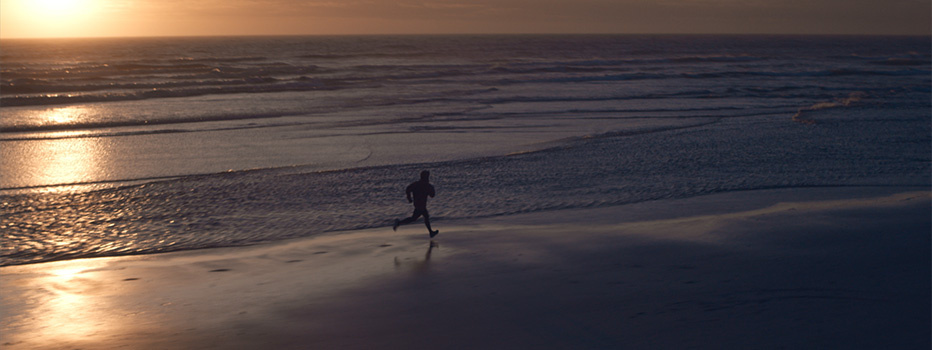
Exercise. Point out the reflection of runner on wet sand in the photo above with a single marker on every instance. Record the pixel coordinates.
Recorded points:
(417, 193)
(417, 266)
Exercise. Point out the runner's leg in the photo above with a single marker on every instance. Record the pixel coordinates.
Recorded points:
(414, 217)
(427, 221)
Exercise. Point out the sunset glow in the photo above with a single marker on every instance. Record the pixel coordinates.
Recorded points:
(60, 7)
(109, 18)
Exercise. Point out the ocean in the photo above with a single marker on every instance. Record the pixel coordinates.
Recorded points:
(145, 145)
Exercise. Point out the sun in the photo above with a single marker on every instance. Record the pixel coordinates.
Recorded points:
(50, 18)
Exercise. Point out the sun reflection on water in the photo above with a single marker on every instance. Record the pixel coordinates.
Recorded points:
(64, 115)
(68, 161)
(58, 161)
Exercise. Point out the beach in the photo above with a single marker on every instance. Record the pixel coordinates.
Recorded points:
(799, 268)
(592, 192)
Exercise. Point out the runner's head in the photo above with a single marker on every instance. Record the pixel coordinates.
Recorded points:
(425, 175)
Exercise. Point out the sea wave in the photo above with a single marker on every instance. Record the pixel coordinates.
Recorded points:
(853, 98)
(105, 82)
(155, 93)
(106, 124)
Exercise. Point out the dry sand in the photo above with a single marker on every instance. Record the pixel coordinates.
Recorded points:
(800, 268)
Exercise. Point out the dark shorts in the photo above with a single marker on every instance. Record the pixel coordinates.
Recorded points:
(420, 211)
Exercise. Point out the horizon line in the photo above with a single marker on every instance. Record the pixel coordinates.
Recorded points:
(458, 34)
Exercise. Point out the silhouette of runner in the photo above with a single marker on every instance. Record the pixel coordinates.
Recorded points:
(419, 190)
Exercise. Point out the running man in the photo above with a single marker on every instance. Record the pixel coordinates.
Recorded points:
(417, 193)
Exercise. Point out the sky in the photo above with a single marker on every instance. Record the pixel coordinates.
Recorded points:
(102, 18)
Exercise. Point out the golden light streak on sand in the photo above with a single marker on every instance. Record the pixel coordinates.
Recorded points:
(68, 310)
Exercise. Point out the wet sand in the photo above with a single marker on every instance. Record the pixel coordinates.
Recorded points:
(795, 268)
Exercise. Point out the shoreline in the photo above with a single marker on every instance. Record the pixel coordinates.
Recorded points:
(728, 201)
(799, 268)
